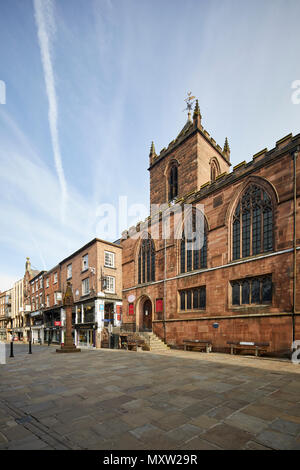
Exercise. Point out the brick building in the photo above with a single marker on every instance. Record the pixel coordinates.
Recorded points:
(35, 319)
(95, 272)
(240, 283)
(53, 313)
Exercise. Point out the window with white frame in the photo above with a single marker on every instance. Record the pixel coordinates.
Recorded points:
(85, 262)
(109, 284)
(41, 299)
(109, 259)
(86, 286)
(47, 282)
(69, 271)
(36, 286)
(47, 301)
(37, 302)
(32, 288)
(55, 278)
(41, 283)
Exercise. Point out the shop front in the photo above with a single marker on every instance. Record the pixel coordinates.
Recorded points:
(18, 334)
(37, 327)
(53, 326)
(86, 335)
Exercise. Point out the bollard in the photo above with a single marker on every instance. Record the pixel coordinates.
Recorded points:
(30, 352)
(11, 349)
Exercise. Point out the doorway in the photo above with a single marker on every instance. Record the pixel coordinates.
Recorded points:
(147, 315)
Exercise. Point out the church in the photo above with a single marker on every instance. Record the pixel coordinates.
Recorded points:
(241, 283)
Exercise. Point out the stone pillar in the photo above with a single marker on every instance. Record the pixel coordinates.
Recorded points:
(68, 346)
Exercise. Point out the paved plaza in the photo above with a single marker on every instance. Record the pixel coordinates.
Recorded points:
(121, 400)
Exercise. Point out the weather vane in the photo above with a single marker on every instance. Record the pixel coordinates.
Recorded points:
(189, 103)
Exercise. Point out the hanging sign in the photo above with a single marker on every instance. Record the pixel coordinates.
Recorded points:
(131, 298)
(119, 309)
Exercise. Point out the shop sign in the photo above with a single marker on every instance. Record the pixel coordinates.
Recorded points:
(131, 298)
(119, 309)
(101, 307)
(57, 323)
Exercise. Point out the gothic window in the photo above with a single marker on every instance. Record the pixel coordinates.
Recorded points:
(252, 291)
(193, 245)
(252, 226)
(146, 261)
(193, 299)
(173, 182)
(214, 169)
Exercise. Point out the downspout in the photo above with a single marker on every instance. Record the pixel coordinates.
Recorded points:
(295, 155)
(165, 284)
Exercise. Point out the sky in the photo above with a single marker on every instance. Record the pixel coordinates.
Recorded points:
(90, 83)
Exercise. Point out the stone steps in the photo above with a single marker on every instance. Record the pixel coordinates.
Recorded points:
(156, 344)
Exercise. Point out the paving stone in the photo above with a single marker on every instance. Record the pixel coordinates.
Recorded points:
(199, 444)
(265, 412)
(143, 430)
(204, 422)
(171, 421)
(277, 440)
(220, 413)
(286, 427)
(184, 433)
(246, 422)
(227, 437)
(251, 445)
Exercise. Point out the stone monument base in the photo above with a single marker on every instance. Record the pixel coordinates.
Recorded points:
(68, 349)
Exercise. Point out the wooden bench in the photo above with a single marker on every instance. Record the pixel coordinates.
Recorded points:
(248, 346)
(131, 343)
(197, 345)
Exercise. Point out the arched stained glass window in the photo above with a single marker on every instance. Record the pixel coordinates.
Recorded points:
(146, 261)
(252, 226)
(193, 249)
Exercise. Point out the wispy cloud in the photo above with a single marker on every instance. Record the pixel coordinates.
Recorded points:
(45, 23)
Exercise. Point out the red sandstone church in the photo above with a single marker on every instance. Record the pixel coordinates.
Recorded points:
(241, 284)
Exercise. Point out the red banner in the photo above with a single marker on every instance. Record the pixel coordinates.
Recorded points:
(131, 309)
(159, 305)
(119, 309)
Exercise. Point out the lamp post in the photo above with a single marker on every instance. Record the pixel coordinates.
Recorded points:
(68, 302)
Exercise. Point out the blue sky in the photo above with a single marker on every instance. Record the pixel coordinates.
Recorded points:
(114, 74)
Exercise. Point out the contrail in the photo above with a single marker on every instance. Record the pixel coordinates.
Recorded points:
(43, 12)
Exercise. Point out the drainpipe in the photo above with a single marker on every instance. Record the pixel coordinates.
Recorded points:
(165, 285)
(294, 155)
